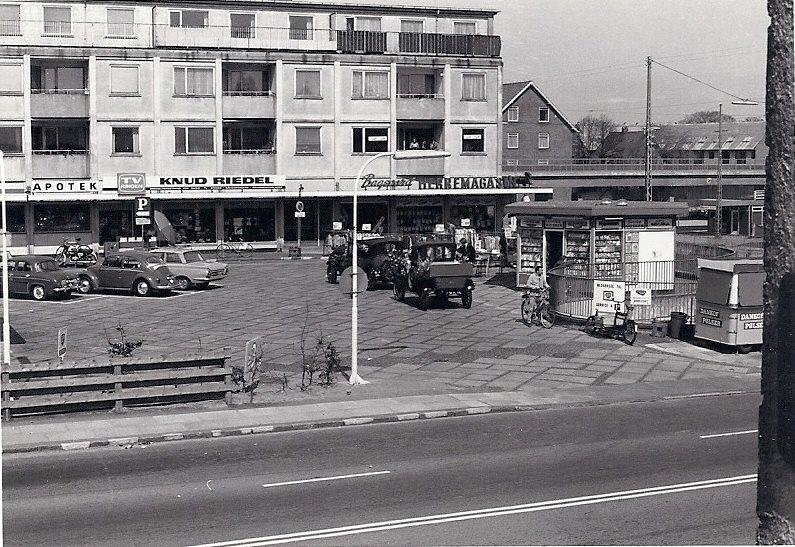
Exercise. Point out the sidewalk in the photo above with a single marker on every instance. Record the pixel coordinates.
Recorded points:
(106, 429)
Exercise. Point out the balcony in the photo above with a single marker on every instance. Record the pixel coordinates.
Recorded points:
(15, 167)
(59, 103)
(249, 162)
(416, 106)
(361, 41)
(472, 45)
(10, 27)
(249, 104)
(420, 167)
(60, 164)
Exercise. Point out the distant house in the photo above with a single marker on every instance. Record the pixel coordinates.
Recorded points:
(534, 131)
(742, 143)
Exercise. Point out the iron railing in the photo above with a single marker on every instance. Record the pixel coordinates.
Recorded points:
(449, 44)
(10, 28)
(121, 30)
(659, 165)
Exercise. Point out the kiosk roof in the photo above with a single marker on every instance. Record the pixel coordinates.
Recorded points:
(594, 208)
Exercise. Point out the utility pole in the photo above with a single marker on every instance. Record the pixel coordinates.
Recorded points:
(775, 502)
(648, 130)
(718, 215)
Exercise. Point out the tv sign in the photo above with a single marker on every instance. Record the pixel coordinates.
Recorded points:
(131, 184)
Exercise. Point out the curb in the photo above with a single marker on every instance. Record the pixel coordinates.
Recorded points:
(128, 442)
(302, 258)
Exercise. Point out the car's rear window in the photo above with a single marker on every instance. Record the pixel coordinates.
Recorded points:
(48, 266)
(193, 256)
(153, 260)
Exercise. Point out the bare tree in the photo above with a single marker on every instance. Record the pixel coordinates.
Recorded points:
(706, 116)
(594, 131)
(775, 498)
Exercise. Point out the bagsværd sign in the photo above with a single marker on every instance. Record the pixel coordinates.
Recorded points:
(370, 182)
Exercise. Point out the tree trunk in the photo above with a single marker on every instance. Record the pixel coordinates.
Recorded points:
(776, 486)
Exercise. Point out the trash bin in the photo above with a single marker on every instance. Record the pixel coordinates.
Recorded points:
(294, 251)
(676, 325)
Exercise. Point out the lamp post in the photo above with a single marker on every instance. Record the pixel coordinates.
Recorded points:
(397, 155)
(718, 219)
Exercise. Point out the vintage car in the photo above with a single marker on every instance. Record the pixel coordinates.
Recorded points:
(39, 277)
(376, 257)
(432, 269)
(190, 268)
(136, 271)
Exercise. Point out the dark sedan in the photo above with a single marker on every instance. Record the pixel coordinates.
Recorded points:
(40, 277)
(139, 272)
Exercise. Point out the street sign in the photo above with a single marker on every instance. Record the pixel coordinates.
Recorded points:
(143, 206)
(299, 206)
(336, 225)
(346, 281)
(640, 297)
(61, 343)
(300, 214)
(608, 296)
(466, 223)
(142, 221)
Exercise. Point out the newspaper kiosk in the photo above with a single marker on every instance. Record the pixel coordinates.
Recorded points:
(729, 302)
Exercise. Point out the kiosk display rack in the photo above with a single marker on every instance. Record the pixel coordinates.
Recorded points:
(607, 254)
(531, 251)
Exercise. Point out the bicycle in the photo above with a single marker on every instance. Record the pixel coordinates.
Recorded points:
(536, 311)
(240, 249)
(75, 252)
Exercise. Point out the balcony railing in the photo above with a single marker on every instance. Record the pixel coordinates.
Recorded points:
(605, 165)
(58, 28)
(121, 30)
(263, 93)
(10, 28)
(237, 151)
(361, 41)
(243, 32)
(450, 44)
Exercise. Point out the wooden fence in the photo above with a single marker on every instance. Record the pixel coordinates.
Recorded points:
(55, 387)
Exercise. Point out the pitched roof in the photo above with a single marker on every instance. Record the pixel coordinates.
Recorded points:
(513, 90)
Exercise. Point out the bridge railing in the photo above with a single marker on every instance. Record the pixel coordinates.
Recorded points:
(660, 165)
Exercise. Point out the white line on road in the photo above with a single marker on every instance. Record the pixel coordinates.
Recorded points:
(712, 436)
(324, 479)
(485, 513)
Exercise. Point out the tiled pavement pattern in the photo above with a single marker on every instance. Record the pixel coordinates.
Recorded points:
(484, 348)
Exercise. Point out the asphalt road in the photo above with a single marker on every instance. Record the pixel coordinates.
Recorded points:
(204, 491)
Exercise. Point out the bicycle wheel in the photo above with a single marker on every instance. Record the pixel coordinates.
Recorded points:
(527, 311)
(60, 254)
(630, 332)
(223, 251)
(246, 250)
(546, 317)
(590, 325)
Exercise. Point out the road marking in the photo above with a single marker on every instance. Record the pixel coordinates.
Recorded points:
(324, 479)
(485, 513)
(712, 436)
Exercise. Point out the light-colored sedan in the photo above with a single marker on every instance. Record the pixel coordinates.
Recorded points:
(190, 268)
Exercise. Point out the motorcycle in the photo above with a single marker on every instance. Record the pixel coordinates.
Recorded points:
(622, 328)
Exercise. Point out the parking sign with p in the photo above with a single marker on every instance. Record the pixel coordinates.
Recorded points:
(143, 211)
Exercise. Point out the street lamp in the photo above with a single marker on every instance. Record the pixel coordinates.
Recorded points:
(718, 220)
(397, 155)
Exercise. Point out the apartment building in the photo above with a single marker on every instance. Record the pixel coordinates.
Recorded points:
(230, 111)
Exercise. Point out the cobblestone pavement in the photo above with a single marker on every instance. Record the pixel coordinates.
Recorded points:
(484, 348)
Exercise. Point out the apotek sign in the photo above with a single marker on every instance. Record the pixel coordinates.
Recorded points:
(78, 187)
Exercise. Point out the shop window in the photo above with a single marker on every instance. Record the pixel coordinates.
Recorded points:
(307, 140)
(124, 80)
(9, 20)
(60, 138)
(192, 225)
(10, 77)
(247, 139)
(121, 22)
(473, 87)
(370, 140)
(11, 139)
(543, 141)
(57, 21)
(301, 27)
(421, 219)
(513, 114)
(513, 140)
(193, 82)
(370, 85)
(62, 217)
(246, 82)
(472, 140)
(189, 19)
(481, 217)
(416, 86)
(15, 218)
(250, 224)
(242, 25)
(115, 224)
(60, 79)
(194, 140)
(307, 84)
(308, 224)
(411, 26)
(125, 141)
(543, 114)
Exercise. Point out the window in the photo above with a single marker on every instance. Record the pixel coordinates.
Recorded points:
(246, 82)
(193, 82)
(543, 114)
(512, 163)
(15, 216)
(9, 20)
(473, 87)
(372, 24)
(190, 19)
(420, 137)
(543, 162)
(57, 21)
(121, 22)
(370, 85)
(125, 140)
(243, 25)
(61, 79)
(65, 138)
(513, 114)
(10, 78)
(543, 141)
(513, 140)
(416, 85)
(370, 139)
(301, 27)
(23, 266)
(472, 140)
(62, 217)
(307, 84)
(465, 27)
(242, 138)
(411, 26)
(131, 263)
(10, 139)
(124, 80)
(307, 140)
(194, 140)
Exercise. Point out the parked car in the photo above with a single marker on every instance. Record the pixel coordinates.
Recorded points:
(137, 271)
(190, 268)
(374, 258)
(432, 269)
(39, 277)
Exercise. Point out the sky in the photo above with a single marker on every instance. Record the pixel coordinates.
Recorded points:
(589, 56)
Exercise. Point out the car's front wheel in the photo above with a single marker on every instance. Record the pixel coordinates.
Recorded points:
(466, 298)
(84, 285)
(142, 288)
(183, 283)
(38, 292)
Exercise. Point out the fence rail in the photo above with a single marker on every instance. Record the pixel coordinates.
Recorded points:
(55, 387)
(660, 165)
